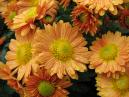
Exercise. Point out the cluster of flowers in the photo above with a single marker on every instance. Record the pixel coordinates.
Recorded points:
(40, 62)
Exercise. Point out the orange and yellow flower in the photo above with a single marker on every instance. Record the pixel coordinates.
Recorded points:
(109, 87)
(43, 85)
(43, 10)
(84, 19)
(61, 49)
(51, 11)
(24, 22)
(20, 58)
(101, 6)
(10, 12)
(110, 54)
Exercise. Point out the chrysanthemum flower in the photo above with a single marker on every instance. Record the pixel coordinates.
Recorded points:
(51, 7)
(44, 85)
(45, 8)
(110, 54)
(109, 87)
(51, 11)
(24, 22)
(41, 9)
(65, 3)
(124, 18)
(10, 12)
(20, 58)
(84, 19)
(61, 49)
(100, 6)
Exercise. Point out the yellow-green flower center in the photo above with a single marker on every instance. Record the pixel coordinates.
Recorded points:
(24, 53)
(83, 17)
(122, 83)
(31, 14)
(12, 15)
(109, 52)
(48, 19)
(62, 49)
(46, 89)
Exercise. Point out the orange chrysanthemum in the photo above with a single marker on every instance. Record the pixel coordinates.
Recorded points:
(61, 49)
(84, 19)
(110, 54)
(51, 11)
(44, 85)
(65, 3)
(44, 10)
(24, 22)
(100, 6)
(109, 87)
(10, 12)
(20, 58)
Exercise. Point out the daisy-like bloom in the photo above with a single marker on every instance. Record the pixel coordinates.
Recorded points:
(51, 11)
(20, 58)
(84, 19)
(124, 18)
(65, 3)
(24, 22)
(10, 12)
(45, 8)
(44, 85)
(51, 7)
(110, 54)
(109, 87)
(61, 49)
(100, 6)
